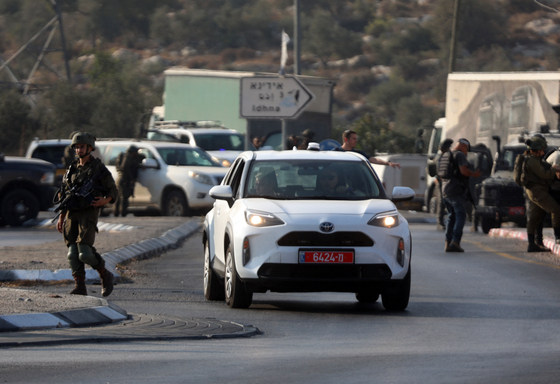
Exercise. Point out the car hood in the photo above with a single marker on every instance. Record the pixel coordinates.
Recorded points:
(306, 207)
(228, 155)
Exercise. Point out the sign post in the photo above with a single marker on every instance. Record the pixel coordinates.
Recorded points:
(273, 97)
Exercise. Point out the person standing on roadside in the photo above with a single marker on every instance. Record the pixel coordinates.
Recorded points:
(456, 192)
(127, 165)
(78, 223)
(440, 207)
(69, 153)
(350, 140)
(537, 177)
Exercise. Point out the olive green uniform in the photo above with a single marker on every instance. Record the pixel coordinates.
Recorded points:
(80, 225)
(539, 177)
(127, 168)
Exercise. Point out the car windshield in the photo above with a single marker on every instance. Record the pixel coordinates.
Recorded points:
(312, 180)
(51, 153)
(507, 158)
(186, 156)
(220, 141)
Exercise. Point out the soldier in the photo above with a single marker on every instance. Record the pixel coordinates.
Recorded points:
(69, 153)
(537, 178)
(127, 167)
(78, 222)
(308, 136)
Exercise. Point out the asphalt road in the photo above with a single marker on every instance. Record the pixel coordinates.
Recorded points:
(490, 315)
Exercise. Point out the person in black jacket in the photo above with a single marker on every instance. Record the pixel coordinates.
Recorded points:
(456, 192)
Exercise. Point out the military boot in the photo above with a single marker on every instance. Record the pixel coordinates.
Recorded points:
(80, 287)
(106, 281)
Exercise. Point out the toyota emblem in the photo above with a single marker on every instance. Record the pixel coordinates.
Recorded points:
(326, 227)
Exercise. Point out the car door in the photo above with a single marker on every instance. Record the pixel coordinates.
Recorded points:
(222, 208)
(148, 187)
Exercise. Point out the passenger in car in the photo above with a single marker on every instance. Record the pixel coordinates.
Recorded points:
(329, 183)
(266, 184)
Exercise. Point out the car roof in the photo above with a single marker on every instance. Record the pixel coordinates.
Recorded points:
(304, 155)
(216, 130)
(155, 144)
(51, 142)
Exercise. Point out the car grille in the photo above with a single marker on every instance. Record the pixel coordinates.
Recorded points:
(333, 271)
(503, 196)
(317, 239)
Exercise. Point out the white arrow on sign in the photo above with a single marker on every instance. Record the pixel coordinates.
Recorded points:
(273, 97)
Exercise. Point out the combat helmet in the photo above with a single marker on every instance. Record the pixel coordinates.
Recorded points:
(83, 138)
(536, 143)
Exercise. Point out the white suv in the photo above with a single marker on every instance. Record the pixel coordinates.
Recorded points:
(174, 178)
(222, 143)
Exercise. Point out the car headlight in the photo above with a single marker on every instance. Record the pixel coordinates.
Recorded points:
(201, 178)
(262, 219)
(47, 178)
(386, 220)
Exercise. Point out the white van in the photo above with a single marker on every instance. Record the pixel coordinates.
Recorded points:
(412, 174)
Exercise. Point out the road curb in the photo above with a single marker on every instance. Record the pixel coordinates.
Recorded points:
(143, 249)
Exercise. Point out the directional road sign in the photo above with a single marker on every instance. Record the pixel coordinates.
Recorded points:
(273, 97)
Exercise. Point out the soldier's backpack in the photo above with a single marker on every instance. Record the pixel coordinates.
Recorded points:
(447, 167)
(518, 170)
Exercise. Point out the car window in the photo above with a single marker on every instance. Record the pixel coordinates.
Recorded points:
(236, 179)
(110, 157)
(186, 156)
(220, 141)
(51, 153)
(231, 172)
(303, 179)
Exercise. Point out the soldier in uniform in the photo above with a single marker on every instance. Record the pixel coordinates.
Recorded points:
(78, 222)
(538, 177)
(127, 168)
(69, 153)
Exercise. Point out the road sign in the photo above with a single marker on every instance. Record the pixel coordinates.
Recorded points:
(273, 97)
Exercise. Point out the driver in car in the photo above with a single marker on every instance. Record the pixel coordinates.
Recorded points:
(329, 183)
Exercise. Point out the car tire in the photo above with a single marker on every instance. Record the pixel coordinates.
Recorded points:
(175, 204)
(367, 296)
(235, 294)
(398, 301)
(19, 206)
(213, 290)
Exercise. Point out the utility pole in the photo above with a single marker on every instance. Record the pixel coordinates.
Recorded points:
(453, 46)
(297, 39)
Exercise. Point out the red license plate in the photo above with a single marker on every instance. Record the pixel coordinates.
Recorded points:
(326, 257)
(516, 211)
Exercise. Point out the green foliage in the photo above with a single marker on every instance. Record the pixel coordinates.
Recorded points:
(69, 109)
(104, 68)
(14, 119)
(412, 114)
(386, 96)
(481, 23)
(325, 38)
(375, 136)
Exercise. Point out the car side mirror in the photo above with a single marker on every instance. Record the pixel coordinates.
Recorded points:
(402, 194)
(150, 163)
(222, 192)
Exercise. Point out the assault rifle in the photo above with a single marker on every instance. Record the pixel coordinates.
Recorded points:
(85, 190)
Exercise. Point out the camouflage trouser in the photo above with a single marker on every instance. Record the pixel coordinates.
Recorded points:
(126, 189)
(79, 230)
(541, 202)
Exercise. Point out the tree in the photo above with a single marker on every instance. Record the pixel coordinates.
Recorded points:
(15, 121)
(325, 38)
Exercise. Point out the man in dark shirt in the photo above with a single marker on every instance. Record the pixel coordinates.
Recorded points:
(350, 140)
(455, 193)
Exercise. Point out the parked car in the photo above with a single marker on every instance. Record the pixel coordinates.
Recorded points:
(222, 143)
(296, 237)
(175, 178)
(26, 187)
(51, 151)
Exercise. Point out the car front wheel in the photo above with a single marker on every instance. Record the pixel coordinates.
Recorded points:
(19, 206)
(212, 287)
(175, 204)
(398, 301)
(236, 296)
